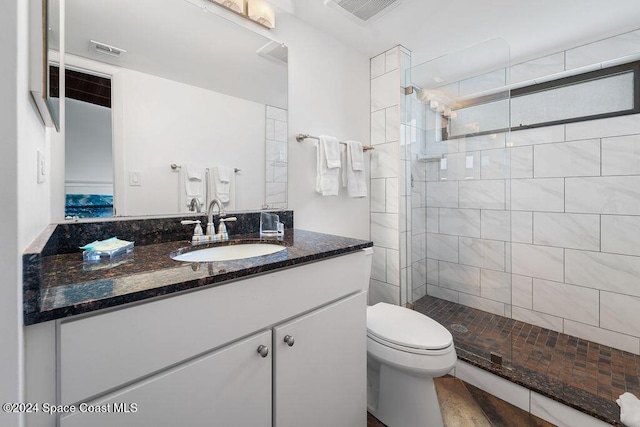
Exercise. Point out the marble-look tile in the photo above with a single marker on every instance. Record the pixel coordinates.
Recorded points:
(418, 194)
(522, 291)
(405, 67)
(280, 131)
(378, 128)
(418, 247)
(418, 221)
(566, 301)
(482, 253)
(602, 336)
(419, 274)
(393, 267)
(480, 303)
(481, 83)
(268, 171)
(521, 227)
(481, 142)
(621, 155)
(577, 158)
(620, 313)
(405, 285)
(460, 222)
(459, 277)
(495, 164)
(383, 292)
(603, 195)
(276, 151)
(521, 162)
(418, 169)
(442, 247)
(542, 194)
(537, 68)
(378, 200)
(482, 194)
(620, 234)
(406, 251)
(576, 231)
(603, 128)
(536, 318)
(384, 230)
(541, 135)
(432, 220)
(276, 113)
(609, 272)
(392, 195)
(481, 118)
(280, 172)
(495, 225)
(442, 194)
(442, 293)
(538, 261)
(270, 129)
(496, 286)
(432, 271)
(378, 65)
(385, 160)
(432, 170)
(561, 415)
(385, 91)
(460, 166)
(276, 192)
(392, 59)
(379, 264)
(603, 50)
(392, 120)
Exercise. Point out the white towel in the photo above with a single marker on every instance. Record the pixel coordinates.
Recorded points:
(222, 183)
(357, 156)
(193, 186)
(193, 172)
(353, 179)
(327, 177)
(629, 409)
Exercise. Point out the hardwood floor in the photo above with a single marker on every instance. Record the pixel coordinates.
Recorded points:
(464, 405)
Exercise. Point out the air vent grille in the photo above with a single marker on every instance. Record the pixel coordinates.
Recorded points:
(364, 9)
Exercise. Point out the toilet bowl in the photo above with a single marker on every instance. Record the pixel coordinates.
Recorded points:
(405, 351)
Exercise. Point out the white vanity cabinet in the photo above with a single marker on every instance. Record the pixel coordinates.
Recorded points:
(192, 359)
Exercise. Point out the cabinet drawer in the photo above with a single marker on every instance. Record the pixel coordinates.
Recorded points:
(106, 351)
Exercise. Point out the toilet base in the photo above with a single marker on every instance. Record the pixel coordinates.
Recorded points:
(399, 399)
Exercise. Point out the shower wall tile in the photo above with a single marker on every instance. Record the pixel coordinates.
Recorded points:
(377, 191)
(418, 247)
(621, 155)
(385, 160)
(276, 192)
(481, 142)
(442, 194)
(541, 135)
(391, 202)
(419, 273)
(418, 196)
(608, 272)
(578, 158)
(495, 224)
(379, 264)
(378, 65)
(384, 230)
(482, 253)
(620, 313)
(385, 91)
(460, 222)
(432, 220)
(280, 131)
(620, 234)
(495, 285)
(276, 113)
(484, 194)
(460, 278)
(521, 227)
(418, 221)
(536, 318)
(392, 59)
(538, 261)
(393, 267)
(576, 231)
(443, 293)
(432, 271)
(603, 195)
(442, 247)
(383, 292)
(392, 121)
(522, 291)
(537, 68)
(378, 128)
(495, 163)
(521, 162)
(567, 301)
(602, 336)
(543, 194)
(487, 81)
(419, 292)
(603, 50)
(603, 128)
(483, 304)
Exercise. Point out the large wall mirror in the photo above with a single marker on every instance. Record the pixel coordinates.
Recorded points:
(168, 105)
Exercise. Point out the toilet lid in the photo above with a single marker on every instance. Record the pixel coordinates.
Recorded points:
(407, 328)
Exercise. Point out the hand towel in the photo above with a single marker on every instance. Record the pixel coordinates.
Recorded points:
(193, 186)
(193, 172)
(327, 177)
(357, 156)
(222, 180)
(356, 178)
(629, 409)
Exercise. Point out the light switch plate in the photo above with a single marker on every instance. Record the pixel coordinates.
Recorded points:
(134, 179)
(42, 167)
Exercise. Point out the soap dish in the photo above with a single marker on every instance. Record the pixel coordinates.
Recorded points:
(106, 249)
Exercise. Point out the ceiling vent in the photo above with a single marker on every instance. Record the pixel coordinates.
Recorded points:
(106, 49)
(274, 51)
(363, 10)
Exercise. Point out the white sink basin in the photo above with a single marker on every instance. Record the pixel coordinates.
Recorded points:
(230, 252)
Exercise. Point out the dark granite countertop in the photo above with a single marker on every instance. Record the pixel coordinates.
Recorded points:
(62, 285)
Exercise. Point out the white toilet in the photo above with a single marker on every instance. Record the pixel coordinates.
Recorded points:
(405, 351)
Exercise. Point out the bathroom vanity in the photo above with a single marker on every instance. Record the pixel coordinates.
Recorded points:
(280, 342)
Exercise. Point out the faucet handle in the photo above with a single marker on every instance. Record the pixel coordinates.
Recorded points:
(189, 222)
(231, 218)
(197, 231)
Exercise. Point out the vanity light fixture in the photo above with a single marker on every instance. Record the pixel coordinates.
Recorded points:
(262, 13)
(107, 49)
(235, 5)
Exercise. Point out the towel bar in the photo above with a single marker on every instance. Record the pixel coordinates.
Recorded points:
(302, 136)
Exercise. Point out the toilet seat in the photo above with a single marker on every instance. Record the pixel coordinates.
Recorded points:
(406, 330)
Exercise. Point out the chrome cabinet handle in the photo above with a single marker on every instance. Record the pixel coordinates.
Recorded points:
(289, 340)
(263, 350)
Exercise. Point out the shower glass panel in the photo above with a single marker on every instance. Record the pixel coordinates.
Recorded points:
(457, 172)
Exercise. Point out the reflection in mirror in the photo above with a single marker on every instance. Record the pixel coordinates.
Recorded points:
(188, 89)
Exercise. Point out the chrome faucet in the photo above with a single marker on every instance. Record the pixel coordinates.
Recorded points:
(195, 205)
(222, 235)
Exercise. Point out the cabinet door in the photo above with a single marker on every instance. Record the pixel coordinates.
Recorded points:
(230, 387)
(321, 379)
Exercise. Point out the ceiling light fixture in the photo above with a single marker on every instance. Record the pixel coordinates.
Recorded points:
(106, 49)
(262, 13)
